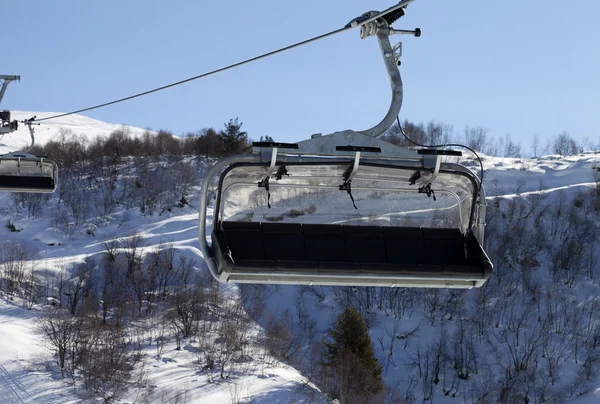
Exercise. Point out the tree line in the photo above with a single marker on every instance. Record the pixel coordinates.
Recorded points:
(70, 148)
(479, 139)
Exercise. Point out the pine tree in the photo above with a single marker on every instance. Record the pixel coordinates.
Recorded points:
(233, 138)
(350, 356)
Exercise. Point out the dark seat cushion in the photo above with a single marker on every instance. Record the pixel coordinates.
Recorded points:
(245, 240)
(364, 244)
(324, 243)
(407, 250)
(404, 245)
(17, 182)
(444, 246)
(242, 226)
(283, 241)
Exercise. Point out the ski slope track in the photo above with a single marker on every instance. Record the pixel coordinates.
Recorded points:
(26, 371)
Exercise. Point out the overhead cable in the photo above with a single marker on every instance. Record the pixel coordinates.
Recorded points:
(221, 69)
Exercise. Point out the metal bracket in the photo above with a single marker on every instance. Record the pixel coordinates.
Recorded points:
(354, 167)
(273, 161)
(30, 124)
(6, 81)
(265, 183)
(436, 169)
(371, 28)
(397, 52)
(348, 176)
(431, 161)
(6, 125)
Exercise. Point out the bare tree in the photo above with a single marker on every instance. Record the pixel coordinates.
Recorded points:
(186, 303)
(13, 264)
(109, 363)
(32, 202)
(476, 138)
(565, 145)
(535, 146)
(113, 288)
(60, 330)
(78, 286)
(32, 288)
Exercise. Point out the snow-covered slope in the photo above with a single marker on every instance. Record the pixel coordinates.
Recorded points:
(51, 129)
(505, 176)
(175, 376)
(172, 378)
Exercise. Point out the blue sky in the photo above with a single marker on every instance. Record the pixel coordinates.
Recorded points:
(519, 67)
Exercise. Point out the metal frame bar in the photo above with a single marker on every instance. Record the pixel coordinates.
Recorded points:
(6, 81)
(368, 278)
(32, 134)
(354, 167)
(203, 206)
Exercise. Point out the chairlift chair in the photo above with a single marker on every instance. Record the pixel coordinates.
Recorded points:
(24, 172)
(21, 171)
(346, 209)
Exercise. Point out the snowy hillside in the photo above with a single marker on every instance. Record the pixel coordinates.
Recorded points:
(532, 332)
(51, 129)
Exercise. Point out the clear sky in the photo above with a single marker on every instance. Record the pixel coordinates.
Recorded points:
(519, 67)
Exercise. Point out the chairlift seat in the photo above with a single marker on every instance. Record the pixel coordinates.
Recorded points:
(18, 183)
(452, 255)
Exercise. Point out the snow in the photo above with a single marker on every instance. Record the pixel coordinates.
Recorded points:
(27, 370)
(52, 128)
(509, 176)
(23, 378)
(26, 375)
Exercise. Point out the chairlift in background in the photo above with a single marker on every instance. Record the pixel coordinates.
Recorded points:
(21, 171)
(347, 208)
